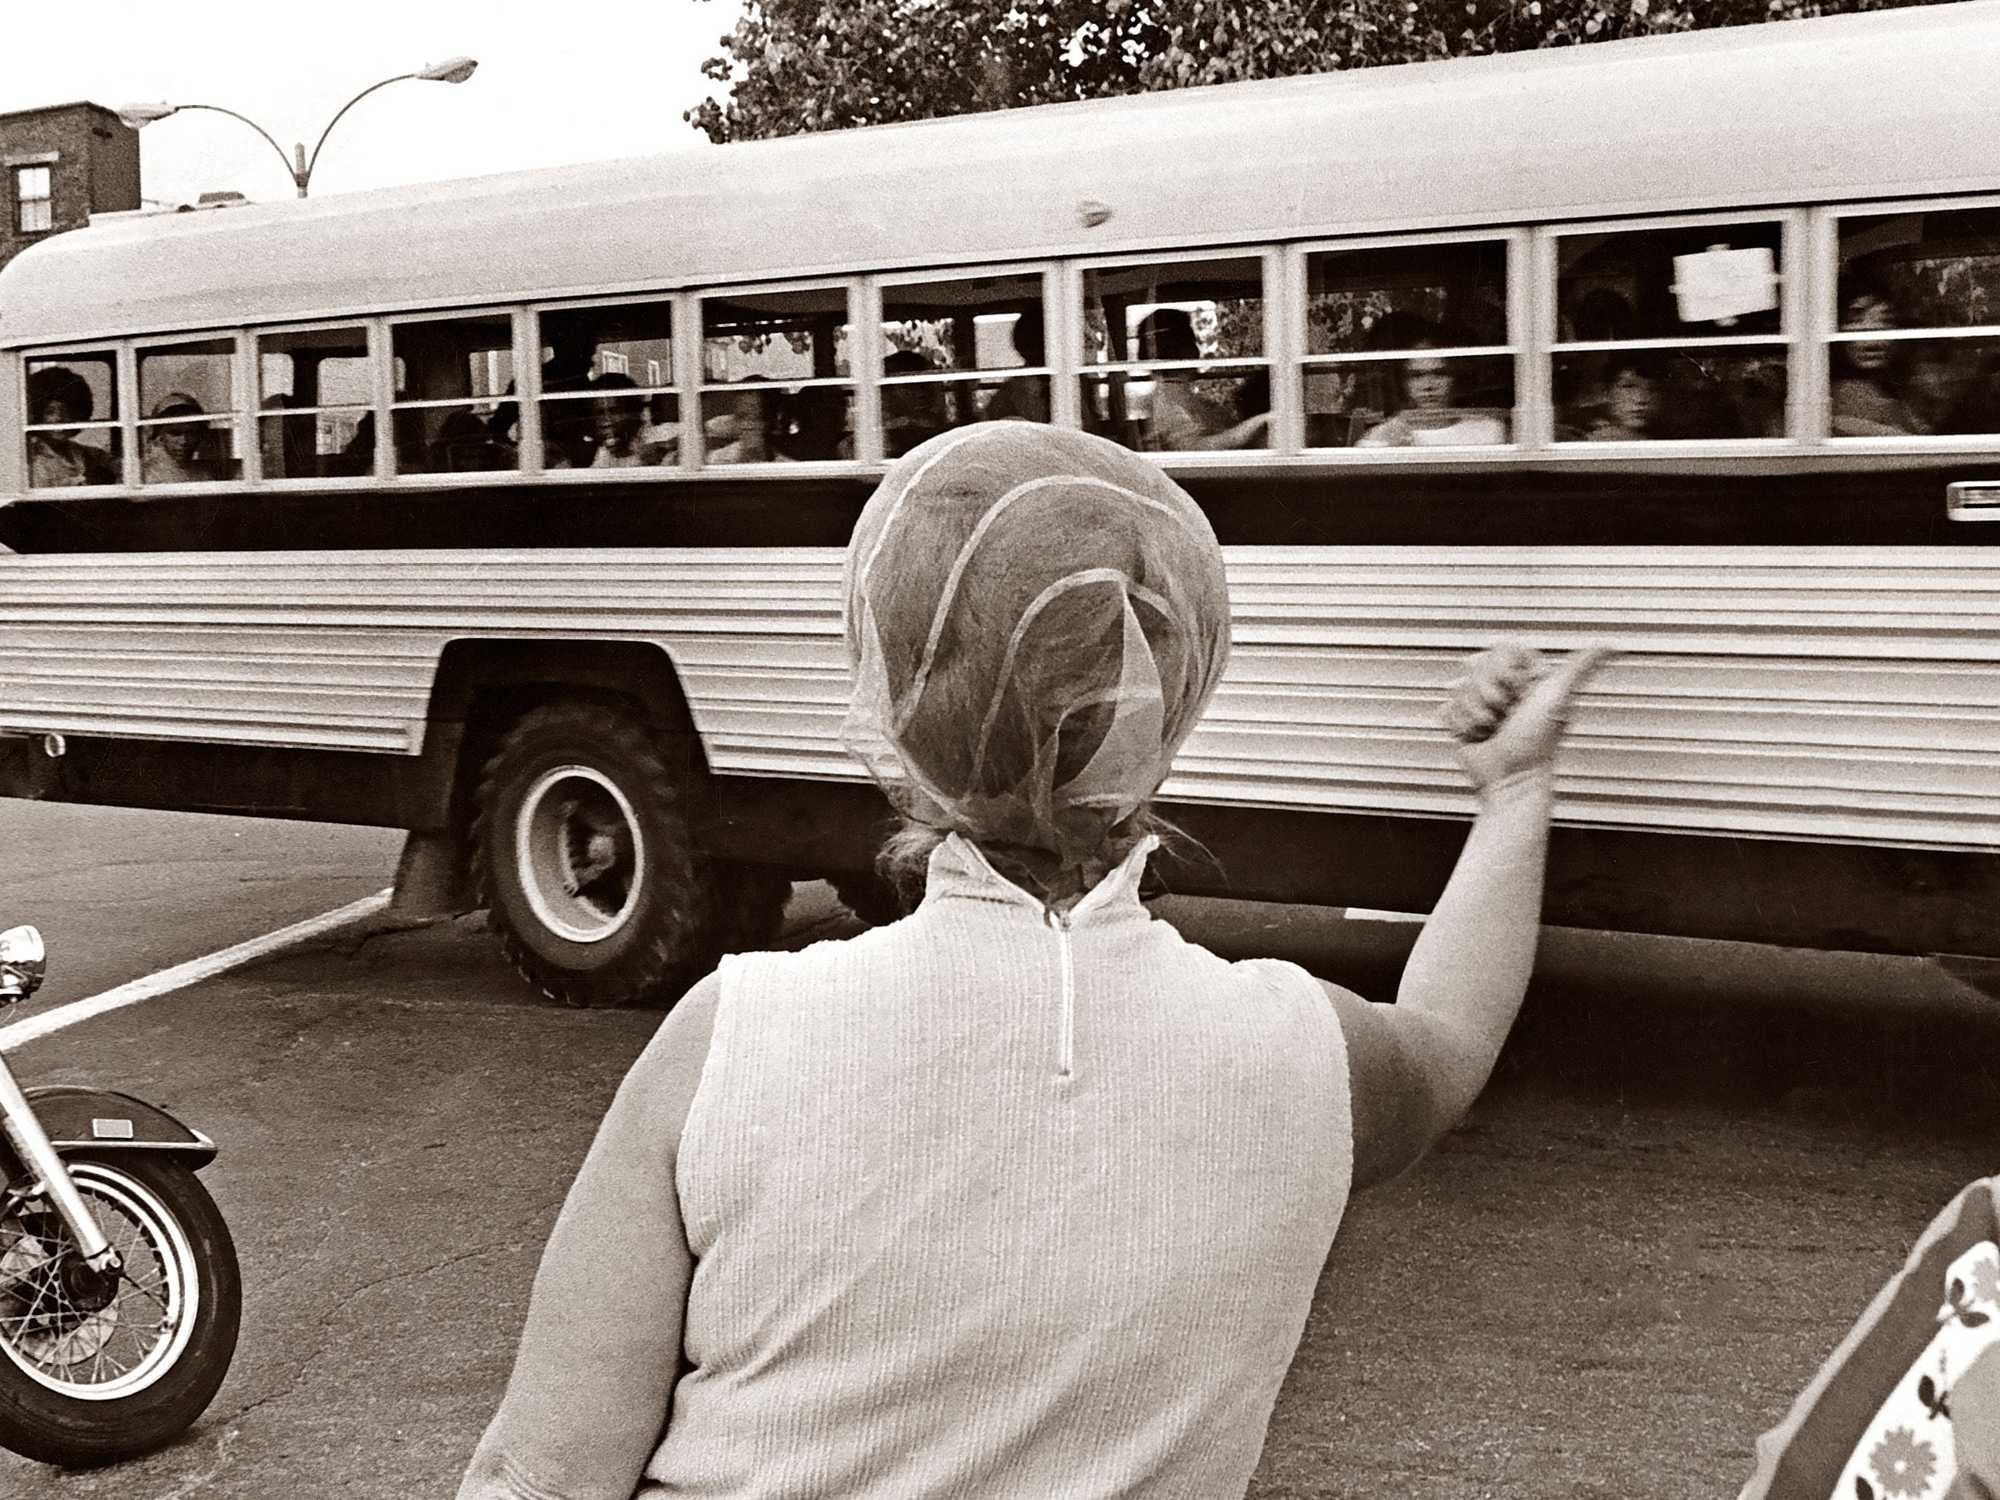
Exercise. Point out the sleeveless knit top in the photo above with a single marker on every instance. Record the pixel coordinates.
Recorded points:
(994, 1202)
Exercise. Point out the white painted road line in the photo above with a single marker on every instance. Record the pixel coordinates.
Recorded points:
(192, 972)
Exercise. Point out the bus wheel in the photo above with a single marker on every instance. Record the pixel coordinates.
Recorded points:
(584, 858)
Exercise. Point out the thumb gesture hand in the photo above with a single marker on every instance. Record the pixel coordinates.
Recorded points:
(1508, 713)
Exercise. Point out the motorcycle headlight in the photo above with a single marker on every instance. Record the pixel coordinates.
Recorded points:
(23, 960)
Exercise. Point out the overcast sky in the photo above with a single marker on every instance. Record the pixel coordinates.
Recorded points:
(560, 81)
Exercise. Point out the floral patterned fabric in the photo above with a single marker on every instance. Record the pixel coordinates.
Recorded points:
(1879, 1420)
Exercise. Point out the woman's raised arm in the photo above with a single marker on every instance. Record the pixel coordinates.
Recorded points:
(1415, 1067)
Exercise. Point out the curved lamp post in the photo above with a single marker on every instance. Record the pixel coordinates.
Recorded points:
(298, 164)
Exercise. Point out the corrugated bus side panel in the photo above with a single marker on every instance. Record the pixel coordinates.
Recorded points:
(1835, 693)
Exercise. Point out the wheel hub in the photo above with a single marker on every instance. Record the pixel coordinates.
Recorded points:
(579, 853)
(62, 1311)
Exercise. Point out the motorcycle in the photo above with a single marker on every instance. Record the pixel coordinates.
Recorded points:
(119, 1290)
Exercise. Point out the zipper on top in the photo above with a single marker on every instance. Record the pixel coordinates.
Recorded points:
(1066, 1018)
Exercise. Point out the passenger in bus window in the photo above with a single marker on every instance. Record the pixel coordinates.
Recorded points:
(357, 457)
(910, 413)
(61, 398)
(811, 425)
(620, 425)
(568, 432)
(1182, 418)
(1023, 398)
(1865, 399)
(1429, 418)
(465, 445)
(1625, 411)
(739, 432)
(172, 454)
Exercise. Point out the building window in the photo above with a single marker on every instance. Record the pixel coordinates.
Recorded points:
(32, 191)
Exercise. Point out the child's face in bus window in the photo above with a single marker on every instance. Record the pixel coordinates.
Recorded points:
(56, 412)
(1866, 314)
(618, 422)
(1427, 384)
(1631, 400)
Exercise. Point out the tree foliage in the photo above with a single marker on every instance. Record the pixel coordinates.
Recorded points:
(795, 66)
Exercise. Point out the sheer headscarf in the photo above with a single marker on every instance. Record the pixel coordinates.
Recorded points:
(1036, 619)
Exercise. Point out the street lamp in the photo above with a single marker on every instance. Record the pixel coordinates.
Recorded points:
(298, 164)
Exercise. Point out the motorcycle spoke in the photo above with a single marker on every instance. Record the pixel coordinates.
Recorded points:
(57, 1335)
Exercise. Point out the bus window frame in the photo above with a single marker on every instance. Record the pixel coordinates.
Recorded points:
(532, 448)
(1515, 244)
(372, 328)
(387, 469)
(1795, 242)
(867, 412)
(1047, 272)
(1270, 258)
(125, 382)
(241, 342)
(1826, 309)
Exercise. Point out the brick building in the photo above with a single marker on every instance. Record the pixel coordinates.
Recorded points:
(58, 166)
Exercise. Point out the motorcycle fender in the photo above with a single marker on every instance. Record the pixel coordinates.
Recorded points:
(80, 1119)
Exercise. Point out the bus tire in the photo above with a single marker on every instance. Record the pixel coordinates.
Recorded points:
(584, 858)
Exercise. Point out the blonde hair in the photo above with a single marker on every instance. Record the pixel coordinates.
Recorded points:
(1036, 619)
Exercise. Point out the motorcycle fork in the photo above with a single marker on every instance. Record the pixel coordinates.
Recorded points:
(31, 1144)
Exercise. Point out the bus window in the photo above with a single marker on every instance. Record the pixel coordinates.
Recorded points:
(607, 387)
(72, 420)
(1670, 333)
(961, 351)
(1181, 346)
(187, 412)
(1406, 347)
(315, 389)
(777, 376)
(450, 375)
(1935, 273)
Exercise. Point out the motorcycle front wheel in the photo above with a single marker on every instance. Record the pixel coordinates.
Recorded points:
(97, 1368)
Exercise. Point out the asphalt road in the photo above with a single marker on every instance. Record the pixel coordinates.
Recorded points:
(120, 894)
(1670, 1203)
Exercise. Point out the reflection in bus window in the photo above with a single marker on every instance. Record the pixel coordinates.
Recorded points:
(1406, 346)
(1935, 274)
(315, 388)
(1670, 333)
(962, 351)
(607, 387)
(450, 374)
(1180, 347)
(72, 413)
(187, 412)
(777, 377)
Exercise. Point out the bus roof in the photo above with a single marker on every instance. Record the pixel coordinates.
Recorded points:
(1887, 104)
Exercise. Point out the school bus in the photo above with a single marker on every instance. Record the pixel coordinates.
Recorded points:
(510, 511)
